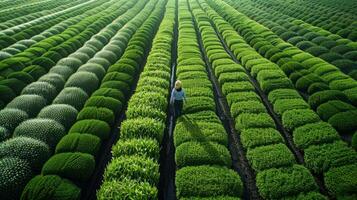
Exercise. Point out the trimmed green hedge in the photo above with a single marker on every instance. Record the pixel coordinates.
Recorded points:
(14, 174)
(46, 130)
(76, 142)
(319, 98)
(323, 157)
(306, 196)
(105, 102)
(247, 120)
(188, 130)
(314, 134)
(135, 167)
(270, 156)
(87, 81)
(298, 117)
(202, 153)
(103, 114)
(92, 126)
(141, 147)
(280, 106)
(10, 118)
(126, 189)
(344, 121)
(73, 96)
(35, 152)
(280, 94)
(109, 92)
(50, 187)
(330, 108)
(247, 107)
(255, 137)
(62, 113)
(241, 96)
(142, 128)
(31, 104)
(277, 183)
(341, 181)
(354, 141)
(207, 181)
(74, 166)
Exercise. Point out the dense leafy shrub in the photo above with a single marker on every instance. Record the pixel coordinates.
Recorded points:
(43, 89)
(50, 187)
(316, 87)
(142, 128)
(33, 151)
(31, 104)
(242, 96)
(141, 147)
(134, 167)
(190, 130)
(10, 118)
(73, 96)
(22, 76)
(247, 107)
(304, 82)
(75, 166)
(255, 137)
(330, 108)
(54, 79)
(98, 70)
(6, 94)
(14, 174)
(119, 85)
(109, 92)
(298, 117)
(62, 113)
(354, 141)
(197, 104)
(202, 153)
(343, 84)
(323, 157)
(100, 113)
(344, 121)
(92, 126)
(76, 142)
(306, 196)
(282, 105)
(150, 99)
(207, 181)
(270, 156)
(105, 102)
(314, 134)
(46, 130)
(319, 98)
(276, 183)
(126, 189)
(341, 181)
(87, 81)
(247, 120)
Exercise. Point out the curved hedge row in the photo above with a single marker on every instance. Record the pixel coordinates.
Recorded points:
(319, 141)
(141, 134)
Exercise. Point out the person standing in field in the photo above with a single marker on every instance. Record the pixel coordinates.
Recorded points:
(177, 97)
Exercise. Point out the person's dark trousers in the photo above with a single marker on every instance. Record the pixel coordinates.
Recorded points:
(178, 105)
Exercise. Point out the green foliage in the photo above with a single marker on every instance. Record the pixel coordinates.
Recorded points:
(341, 181)
(104, 102)
(242, 86)
(10, 118)
(118, 76)
(282, 105)
(72, 96)
(212, 198)
(62, 113)
(270, 156)
(75, 166)
(208, 181)
(50, 187)
(43, 89)
(319, 98)
(330, 108)
(247, 120)
(97, 69)
(277, 183)
(255, 137)
(306, 196)
(95, 127)
(202, 153)
(109, 92)
(54, 79)
(126, 189)
(14, 174)
(273, 84)
(197, 104)
(22, 76)
(135, 167)
(247, 107)
(142, 128)
(6, 94)
(119, 85)
(150, 99)
(87, 81)
(242, 96)
(142, 147)
(323, 157)
(344, 121)
(295, 118)
(316, 87)
(46, 130)
(103, 114)
(76, 142)
(33, 151)
(354, 141)
(31, 104)
(314, 134)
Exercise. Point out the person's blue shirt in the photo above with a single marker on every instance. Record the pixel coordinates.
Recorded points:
(177, 95)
